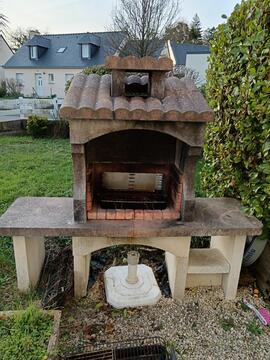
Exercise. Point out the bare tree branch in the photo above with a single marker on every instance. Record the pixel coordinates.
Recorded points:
(144, 22)
(19, 36)
(3, 23)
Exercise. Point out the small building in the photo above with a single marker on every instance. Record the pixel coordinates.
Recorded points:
(192, 56)
(44, 64)
(5, 54)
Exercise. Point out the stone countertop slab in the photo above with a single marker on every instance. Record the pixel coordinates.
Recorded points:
(53, 216)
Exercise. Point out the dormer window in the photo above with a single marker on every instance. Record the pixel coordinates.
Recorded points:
(86, 51)
(38, 45)
(33, 52)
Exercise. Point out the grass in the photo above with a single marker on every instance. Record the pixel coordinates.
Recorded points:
(25, 335)
(28, 167)
(33, 167)
(254, 328)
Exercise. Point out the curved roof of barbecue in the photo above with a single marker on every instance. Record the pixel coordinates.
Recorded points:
(89, 97)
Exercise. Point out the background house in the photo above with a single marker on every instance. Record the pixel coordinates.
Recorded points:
(5, 54)
(192, 56)
(45, 63)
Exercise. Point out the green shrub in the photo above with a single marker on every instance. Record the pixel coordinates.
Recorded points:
(96, 69)
(3, 89)
(237, 150)
(37, 126)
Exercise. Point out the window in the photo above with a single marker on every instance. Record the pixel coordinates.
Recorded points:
(68, 77)
(86, 51)
(51, 78)
(19, 79)
(61, 50)
(33, 52)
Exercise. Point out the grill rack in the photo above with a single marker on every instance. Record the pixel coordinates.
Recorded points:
(151, 348)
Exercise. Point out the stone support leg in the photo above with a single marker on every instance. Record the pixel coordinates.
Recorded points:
(81, 258)
(232, 247)
(29, 257)
(81, 274)
(177, 267)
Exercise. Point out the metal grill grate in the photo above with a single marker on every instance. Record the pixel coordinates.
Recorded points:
(138, 349)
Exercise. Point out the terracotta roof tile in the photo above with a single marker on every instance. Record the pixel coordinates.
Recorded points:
(89, 98)
(133, 63)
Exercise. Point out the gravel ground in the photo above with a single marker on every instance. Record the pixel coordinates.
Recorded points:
(202, 326)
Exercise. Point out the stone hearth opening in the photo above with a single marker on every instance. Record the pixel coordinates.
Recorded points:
(136, 134)
(133, 174)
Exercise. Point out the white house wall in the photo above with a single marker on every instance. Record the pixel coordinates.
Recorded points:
(198, 62)
(58, 87)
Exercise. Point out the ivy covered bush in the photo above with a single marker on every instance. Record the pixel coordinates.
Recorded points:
(37, 126)
(237, 150)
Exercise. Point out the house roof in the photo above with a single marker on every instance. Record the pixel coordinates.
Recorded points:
(71, 57)
(180, 51)
(6, 42)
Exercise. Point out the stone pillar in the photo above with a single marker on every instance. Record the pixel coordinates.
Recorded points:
(81, 274)
(157, 84)
(232, 247)
(29, 257)
(79, 182)
(177, 266)
(118, 83)
(81, 258)
(188, 202)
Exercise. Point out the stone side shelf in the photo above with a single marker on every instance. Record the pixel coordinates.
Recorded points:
(28, 220)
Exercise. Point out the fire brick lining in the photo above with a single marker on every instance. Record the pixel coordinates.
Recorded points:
(89, 97)
(172, 211)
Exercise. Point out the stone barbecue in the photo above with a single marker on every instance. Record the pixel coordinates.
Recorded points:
(135, 137)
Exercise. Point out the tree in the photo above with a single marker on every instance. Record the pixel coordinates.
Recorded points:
(181, 71)
(208, 35)
(19, 36)
(195, 33)
(144, 22)
(178, 33)
(3, 22)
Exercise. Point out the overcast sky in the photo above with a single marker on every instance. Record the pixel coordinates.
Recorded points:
(65, 16)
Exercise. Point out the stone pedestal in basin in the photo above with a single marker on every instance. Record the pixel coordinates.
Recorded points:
(120, 294)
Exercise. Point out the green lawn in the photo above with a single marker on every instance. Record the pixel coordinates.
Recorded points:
(28, 167)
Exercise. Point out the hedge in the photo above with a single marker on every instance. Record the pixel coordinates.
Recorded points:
(237, 150)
